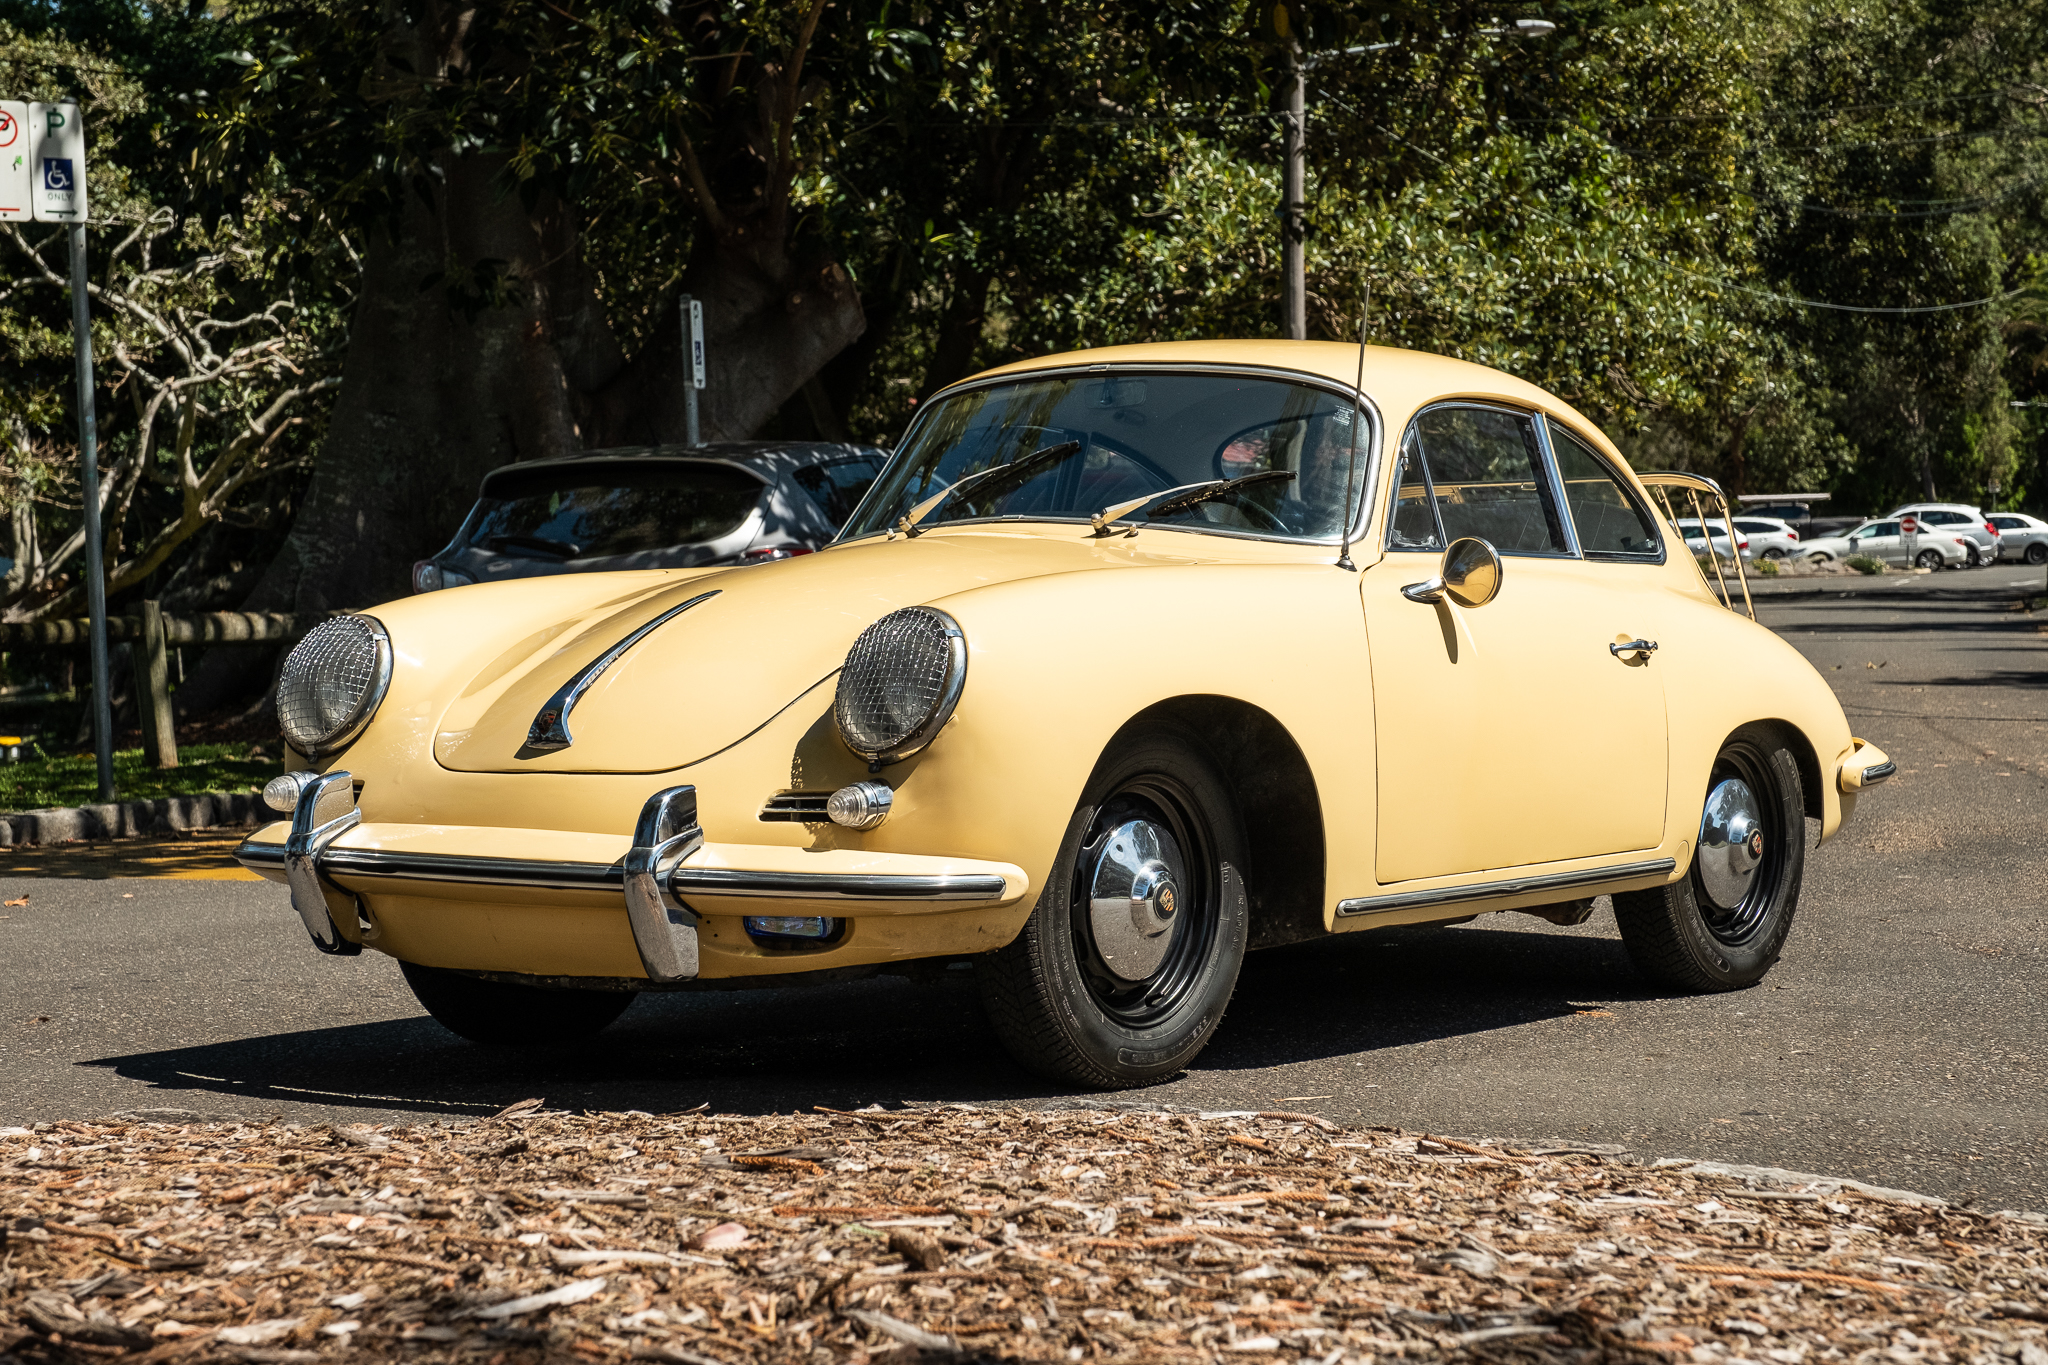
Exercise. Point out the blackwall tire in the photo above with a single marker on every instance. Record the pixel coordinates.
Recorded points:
(1066, 997)
(1681, 935)
(1931, 559)
(2037, 553)
(507, 1014)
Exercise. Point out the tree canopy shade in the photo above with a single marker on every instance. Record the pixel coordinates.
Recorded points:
(446, 237)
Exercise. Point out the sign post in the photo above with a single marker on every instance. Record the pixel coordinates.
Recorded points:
(57, 194)
(693, 350)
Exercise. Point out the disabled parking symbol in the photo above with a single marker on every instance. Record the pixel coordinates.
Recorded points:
(57, 174)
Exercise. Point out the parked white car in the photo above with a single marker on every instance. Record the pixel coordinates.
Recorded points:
(1695, 541)
(1883, 541)
(2021, 537)
(1955, 518)
(1768, 537)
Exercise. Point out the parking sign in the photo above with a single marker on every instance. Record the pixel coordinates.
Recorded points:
(57, 163)
(14, 161)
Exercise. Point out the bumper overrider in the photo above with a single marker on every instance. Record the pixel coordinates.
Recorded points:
(336, 864)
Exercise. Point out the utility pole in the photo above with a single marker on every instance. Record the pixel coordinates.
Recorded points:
(95, 553)
(1294, 195)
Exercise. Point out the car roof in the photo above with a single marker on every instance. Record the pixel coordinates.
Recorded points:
(1397, 380)
(767, 460)
(1932, 507)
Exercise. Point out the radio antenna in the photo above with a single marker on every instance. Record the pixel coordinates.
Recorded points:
(1357, 428)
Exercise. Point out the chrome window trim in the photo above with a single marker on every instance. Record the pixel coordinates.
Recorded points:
(1309, 379)
(1509, 886)
(1622, 477)
(543, 875)
(1532, 415)
(1556, 476)
(549, 731)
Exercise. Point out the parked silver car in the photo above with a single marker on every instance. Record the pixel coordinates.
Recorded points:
(1696, 540)
(2021, 537)
(1768, 537)
(1955, 518)
(654, 507)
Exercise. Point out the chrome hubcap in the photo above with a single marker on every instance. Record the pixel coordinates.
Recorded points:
(1731, 843)
(1134, 898)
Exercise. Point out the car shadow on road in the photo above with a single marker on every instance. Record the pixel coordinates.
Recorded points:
(891, 1040)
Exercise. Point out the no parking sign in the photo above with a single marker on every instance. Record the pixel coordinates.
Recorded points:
(14, 161)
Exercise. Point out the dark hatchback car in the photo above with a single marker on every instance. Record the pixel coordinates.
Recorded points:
(654, 507)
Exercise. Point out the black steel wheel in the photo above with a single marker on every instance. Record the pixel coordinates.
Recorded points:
(1123, 971)
(507, 1013)
(1723, 925)
(1931, 559)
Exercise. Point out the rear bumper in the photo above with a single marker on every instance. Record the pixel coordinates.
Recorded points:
(467, 896)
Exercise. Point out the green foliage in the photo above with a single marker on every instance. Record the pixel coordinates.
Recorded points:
(73, 779)
(1864, 564)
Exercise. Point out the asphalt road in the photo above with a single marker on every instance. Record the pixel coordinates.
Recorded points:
(1903, 1040)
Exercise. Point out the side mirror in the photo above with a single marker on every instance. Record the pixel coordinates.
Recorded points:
(1470, 575)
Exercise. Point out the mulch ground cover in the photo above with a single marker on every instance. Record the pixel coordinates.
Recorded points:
(952, 1232)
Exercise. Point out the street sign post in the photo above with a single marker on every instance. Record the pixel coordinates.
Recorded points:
(56, 138)
(693, 351)
(14, 162)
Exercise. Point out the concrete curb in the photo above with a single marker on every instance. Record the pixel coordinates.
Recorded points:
(123, 819)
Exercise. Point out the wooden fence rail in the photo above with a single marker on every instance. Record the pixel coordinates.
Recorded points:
(152, 633)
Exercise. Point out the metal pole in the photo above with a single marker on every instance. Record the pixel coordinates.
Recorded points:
(89, 478)
(691, 351)
(1293, 198)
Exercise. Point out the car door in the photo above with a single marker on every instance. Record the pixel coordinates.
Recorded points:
(1881, 541)
(1510, 734)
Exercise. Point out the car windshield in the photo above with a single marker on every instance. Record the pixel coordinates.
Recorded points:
(1131, 435)
(610, 509)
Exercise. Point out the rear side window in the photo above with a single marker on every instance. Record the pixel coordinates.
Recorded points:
(2008, 523)
(1473, 471)
(570, 514)
(1610, 522)
(838, 487)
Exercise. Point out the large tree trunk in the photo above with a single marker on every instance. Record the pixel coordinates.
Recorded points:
(768, 329)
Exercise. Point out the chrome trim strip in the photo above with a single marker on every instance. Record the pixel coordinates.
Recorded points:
(1876, 773)
(550, 729)
(1512, 886)
(538, 875)
(326, 810)
(857, 886)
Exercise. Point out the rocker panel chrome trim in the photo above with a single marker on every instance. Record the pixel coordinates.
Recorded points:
(1511, 886)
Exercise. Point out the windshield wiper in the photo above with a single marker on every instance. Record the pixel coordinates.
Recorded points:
(1185, 496)
(565, 548)
(1049, 455)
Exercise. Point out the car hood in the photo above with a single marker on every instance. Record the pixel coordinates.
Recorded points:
(714, 673)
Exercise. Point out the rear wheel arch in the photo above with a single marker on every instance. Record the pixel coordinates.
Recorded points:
(1277, 803)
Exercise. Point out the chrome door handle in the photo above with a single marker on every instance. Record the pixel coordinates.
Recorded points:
(1632, 647)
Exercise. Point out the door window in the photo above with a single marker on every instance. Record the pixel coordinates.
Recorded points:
(1611, 524)
(1473, 471)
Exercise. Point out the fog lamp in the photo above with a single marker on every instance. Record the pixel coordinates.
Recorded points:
(790, 926)
(860, 806)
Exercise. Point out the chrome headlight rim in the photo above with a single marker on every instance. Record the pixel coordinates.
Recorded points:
(942, 707)
(366, 706)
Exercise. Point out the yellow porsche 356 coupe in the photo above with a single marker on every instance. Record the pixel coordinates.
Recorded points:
(1131, 660)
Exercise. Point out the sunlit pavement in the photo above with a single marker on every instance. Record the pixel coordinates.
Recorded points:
(1903, 1039)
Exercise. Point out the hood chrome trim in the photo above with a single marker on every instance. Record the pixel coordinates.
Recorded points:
(550, 729)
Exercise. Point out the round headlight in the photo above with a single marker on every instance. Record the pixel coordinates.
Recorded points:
(900, 682)
(332, 683)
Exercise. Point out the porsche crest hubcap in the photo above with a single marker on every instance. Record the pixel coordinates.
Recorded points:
(1133, 898)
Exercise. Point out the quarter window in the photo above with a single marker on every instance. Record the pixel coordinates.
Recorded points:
(1611, 524)
(1473, 471)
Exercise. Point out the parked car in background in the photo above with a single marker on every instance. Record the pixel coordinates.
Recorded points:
(1955, 518)
(654, 507)
(2021, 537)
(1689, 527)
(1886, 542)
(1768, 537)
(1797, 510)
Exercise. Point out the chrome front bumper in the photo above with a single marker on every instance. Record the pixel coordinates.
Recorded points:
(329, 857)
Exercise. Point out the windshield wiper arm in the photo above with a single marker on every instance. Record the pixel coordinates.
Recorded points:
(1051, 454)
(1187, 495)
